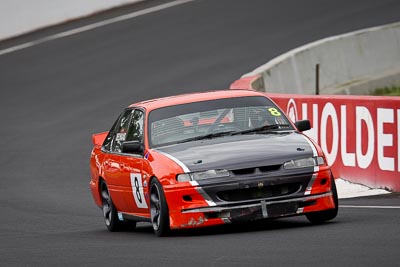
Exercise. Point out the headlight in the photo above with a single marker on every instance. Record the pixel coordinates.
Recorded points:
(195, 176)
(304, 163)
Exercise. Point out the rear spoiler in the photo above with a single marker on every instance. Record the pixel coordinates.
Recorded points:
(98, 139)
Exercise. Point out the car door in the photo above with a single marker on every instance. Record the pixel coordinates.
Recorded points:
(132, 167)
(114, 165)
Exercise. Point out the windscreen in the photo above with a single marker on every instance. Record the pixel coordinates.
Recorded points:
(213, 118)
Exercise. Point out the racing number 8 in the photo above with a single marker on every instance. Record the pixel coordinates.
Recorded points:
(137, 190)
(274, 112)
(139, 197)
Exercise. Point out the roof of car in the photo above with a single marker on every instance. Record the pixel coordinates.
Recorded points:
(194, 97)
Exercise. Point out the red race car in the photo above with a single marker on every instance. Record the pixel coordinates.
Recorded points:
(208, 158)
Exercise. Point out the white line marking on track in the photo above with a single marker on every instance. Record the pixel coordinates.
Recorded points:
(369, 207)
(94, 26)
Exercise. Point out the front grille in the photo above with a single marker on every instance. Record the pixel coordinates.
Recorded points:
(261, 169)
(258, 193)
(269, 168)
(244, 171)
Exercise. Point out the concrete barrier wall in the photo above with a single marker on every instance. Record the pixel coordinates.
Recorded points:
(353, 63)
(22, 16)
(360, 135)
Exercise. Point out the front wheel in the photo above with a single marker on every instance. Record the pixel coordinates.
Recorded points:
(326, 215)
(158, 209)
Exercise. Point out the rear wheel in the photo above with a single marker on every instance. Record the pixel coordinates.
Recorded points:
(326, 215)
(110, 213)
(158, 209)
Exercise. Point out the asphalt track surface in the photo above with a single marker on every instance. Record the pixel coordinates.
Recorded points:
(53, 96)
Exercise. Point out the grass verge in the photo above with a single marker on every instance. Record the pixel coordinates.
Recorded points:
(387, 91)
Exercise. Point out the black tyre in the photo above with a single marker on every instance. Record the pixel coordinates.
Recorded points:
(326, 215)
(158, 209)
(110, 214)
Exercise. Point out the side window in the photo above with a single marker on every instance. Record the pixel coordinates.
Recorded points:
(118, 132)
(136, 128)
(121, 131)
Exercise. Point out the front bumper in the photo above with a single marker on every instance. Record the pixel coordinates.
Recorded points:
(208, 216)
(191, 205)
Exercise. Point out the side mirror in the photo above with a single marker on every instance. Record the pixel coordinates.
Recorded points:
(132, 147)
(303, 125)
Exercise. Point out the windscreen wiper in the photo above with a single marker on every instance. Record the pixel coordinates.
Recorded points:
(207, 136)
(264, 128)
